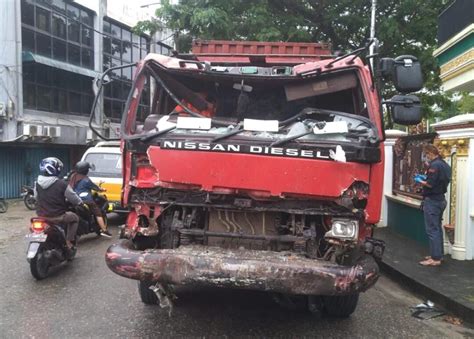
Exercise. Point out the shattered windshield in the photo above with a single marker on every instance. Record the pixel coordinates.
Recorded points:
(257, 103)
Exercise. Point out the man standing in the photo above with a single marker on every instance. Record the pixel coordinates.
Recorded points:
(435, 186)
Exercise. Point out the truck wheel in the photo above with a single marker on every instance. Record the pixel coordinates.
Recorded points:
(148, 296)
(341, 306)
(290, 302)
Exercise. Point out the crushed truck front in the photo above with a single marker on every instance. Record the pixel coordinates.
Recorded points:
(252, 176)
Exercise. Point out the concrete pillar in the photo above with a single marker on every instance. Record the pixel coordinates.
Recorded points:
(11, 86)
(99, 56)
(456, 142)
(391, 137)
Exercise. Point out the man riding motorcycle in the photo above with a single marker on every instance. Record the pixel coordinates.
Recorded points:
(53, 196)
(83, 186)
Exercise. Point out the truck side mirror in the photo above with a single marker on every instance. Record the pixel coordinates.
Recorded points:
(405, 71)
(405, 109)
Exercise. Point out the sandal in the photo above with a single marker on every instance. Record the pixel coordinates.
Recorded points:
(428, 257)
(430, 262)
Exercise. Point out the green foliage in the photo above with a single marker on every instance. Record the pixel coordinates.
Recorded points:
(466, 104)
(403, 27)
(148, 26)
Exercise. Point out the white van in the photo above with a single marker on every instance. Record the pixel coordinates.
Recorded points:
(107, 159)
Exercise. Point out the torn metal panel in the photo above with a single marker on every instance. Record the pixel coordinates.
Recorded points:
(275, 176)
(282, 272)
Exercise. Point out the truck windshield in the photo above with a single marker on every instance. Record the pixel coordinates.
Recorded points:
(249, 102)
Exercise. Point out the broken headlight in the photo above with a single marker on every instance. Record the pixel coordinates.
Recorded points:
(344, 229)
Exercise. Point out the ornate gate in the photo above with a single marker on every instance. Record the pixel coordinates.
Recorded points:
(408, 161)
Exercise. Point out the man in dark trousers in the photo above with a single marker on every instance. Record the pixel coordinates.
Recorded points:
(53, 196)
(435, 186)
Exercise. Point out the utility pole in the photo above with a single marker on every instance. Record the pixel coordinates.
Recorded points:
(372, 32)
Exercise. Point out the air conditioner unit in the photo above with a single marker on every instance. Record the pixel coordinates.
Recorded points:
(52, 131)
(33, 130)
(3, 109)
(90, 136)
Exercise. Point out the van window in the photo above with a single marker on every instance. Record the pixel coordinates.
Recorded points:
(107, 165)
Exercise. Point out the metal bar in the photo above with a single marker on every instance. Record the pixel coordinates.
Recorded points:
(282, 238)
(372, 31)
(329, 211)
(100, 86)
(282, 272)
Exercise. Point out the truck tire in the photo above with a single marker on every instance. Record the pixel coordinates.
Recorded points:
(341, 306)
(290, 302)
(148, 296)
(166, 239)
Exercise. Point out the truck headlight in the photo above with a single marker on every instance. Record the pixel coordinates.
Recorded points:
(345, 229)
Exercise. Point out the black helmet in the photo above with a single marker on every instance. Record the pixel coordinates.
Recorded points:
(51, 167)
(82, 167)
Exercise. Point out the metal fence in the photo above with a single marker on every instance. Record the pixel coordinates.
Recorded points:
(19, 166)
(408, 161)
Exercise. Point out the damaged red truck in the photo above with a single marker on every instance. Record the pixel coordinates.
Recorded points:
(258, 166)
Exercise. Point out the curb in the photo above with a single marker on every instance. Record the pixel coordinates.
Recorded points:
(417, 287)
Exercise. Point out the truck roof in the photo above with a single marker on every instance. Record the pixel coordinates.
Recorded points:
(256, 52)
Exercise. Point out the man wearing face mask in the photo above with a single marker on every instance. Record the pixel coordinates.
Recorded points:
(434, 186)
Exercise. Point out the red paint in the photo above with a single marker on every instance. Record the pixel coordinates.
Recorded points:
(261, 176)
(132, 219)
(146, 177)
(365, 231)
(374, 203)
(277, 60)
(278, 176)
(126, 165)
(259, 47)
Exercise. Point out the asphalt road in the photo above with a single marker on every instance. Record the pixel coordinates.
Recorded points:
(85, 299)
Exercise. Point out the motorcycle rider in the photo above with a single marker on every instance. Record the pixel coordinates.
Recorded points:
(83, 185)
(53, 197)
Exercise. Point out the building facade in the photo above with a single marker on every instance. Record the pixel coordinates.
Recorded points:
(53, 50)
(455, 53)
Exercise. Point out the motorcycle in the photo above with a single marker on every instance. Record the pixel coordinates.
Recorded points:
(3, 205)
(47, 241)
(88, 222)
(46, 247)
(28, 196)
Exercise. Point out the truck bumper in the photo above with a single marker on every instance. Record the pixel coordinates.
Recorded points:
(247, 269)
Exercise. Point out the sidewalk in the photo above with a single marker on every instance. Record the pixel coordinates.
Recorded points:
(450, 285)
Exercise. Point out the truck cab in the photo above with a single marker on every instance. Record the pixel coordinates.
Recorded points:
(255, 166)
